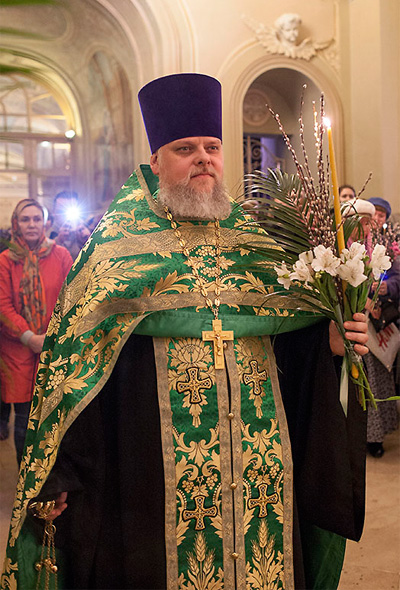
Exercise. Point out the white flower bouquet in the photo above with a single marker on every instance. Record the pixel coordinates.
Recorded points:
(317, 271)
(310, 264)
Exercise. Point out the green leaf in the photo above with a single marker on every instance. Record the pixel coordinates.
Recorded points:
(281, 214)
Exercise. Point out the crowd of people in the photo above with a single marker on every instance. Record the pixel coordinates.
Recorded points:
(384, 314)
(183, 436)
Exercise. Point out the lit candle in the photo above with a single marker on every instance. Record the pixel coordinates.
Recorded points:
(335, 189)
(338, 216)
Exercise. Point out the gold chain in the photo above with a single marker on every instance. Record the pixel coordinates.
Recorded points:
(47, 562)
(214, 307)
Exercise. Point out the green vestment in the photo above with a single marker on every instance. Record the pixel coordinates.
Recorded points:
(226, 450)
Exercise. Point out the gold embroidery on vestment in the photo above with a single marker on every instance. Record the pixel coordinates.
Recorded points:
(287, 478)
(199, 513)
(171, 533)
(229, 402)
(193, 385)
(201, 572)
(267, 568)
(263, 500)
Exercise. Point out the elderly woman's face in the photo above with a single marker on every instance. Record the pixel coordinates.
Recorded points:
(31, 224)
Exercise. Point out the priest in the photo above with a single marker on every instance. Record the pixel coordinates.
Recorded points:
(190, 434)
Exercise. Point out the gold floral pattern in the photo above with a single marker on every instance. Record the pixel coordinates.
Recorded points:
(170, 284)
(201, 570)
(133, 195)
(8, 579)
(55, 320)
(266, 570)
(107, 277)
(56, 379)
(115, 223)
(188, 352)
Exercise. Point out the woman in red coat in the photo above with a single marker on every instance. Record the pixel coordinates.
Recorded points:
(32, 271)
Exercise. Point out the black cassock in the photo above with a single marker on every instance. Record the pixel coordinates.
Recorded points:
(115, 515)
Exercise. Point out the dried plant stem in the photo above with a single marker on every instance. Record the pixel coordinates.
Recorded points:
(365, 184)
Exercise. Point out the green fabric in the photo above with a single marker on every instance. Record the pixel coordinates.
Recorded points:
(323, 556)
(183, 323)
(131, 275)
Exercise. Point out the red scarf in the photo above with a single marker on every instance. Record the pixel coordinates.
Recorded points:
(32, 293)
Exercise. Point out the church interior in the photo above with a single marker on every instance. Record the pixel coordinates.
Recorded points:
(70, 121)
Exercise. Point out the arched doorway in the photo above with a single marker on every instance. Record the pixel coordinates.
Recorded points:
(279, 89)
(281, 78)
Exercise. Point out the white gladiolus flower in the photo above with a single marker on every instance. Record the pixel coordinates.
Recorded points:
(356, 250)
(379, 261)
(301, 270)
(283, 275)
(325, 260)
(352, 272)
(306, 257)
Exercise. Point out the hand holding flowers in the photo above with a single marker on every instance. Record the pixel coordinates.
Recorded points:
(356, 332)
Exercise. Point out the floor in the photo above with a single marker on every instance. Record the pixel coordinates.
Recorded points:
(371, 564)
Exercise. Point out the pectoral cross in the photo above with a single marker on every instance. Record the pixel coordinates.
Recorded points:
(218, 336)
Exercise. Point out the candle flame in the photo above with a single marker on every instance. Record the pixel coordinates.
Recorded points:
(327, 122)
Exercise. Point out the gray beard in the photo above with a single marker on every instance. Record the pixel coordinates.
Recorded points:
(185, 202)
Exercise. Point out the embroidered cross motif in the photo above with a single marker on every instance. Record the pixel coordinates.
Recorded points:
(218, 336)
(255, 378)
(194, 385)
(199, 513)
(263, 500)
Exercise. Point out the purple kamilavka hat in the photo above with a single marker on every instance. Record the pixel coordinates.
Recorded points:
(181, 105)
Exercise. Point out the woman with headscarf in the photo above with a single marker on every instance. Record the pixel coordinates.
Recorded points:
(32, 271)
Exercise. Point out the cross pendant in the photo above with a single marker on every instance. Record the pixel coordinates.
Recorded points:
(218, 336)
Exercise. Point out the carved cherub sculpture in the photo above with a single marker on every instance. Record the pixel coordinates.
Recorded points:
(282, 37)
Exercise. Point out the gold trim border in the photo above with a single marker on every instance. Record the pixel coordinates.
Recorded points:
(237, 463)
(288, 468)
(168, 302)
(228, 538)
(171, 548)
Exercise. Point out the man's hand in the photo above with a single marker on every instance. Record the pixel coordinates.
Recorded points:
(59, 507)
(356, 331)
(35, 342)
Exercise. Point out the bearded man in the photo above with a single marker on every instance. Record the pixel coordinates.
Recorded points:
(158, 423)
